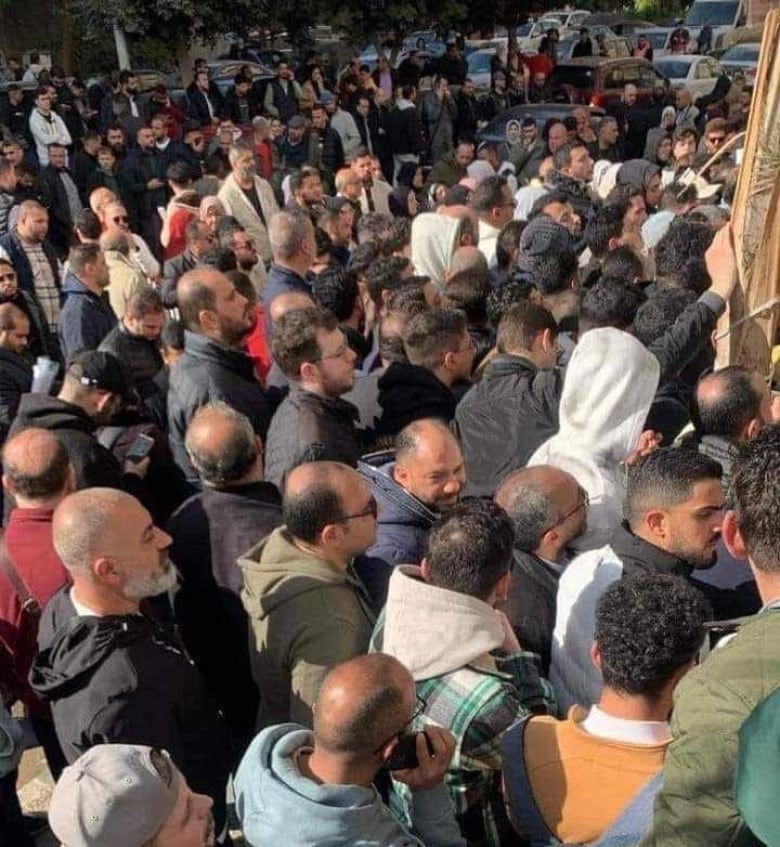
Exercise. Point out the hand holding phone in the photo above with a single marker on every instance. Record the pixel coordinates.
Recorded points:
(141, 447)
(434, 748)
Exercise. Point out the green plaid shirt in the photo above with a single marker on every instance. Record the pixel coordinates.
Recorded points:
(477, 705)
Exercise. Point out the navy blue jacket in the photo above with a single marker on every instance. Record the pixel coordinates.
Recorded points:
(280, 281)
(13, 247)
(85, 319)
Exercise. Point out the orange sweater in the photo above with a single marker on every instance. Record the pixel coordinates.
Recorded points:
(582, 783)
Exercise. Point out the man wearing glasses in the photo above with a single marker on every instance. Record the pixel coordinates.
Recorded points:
(316, 787)
(307, 609)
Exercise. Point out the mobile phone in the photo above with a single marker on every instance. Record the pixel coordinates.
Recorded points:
(140, 448)
(405, 754)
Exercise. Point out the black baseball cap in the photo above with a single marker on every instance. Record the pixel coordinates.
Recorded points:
(101, 370)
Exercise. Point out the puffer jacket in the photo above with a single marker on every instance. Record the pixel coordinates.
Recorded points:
(209, 371)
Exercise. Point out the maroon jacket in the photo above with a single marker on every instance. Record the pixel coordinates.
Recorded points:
(29, 543)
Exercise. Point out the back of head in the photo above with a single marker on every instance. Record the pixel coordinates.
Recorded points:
(35, 465)
(113, 241)
(725, 402)
(468, 259)
(288, 232)
(294, 338)
(431, 334)
(502, 298)
(526, 497)
(605, 224)
(311, 499)
(336, 290)
(755, 497)
(679, 255)
(649, 628)
(553, 272)
(508, 243)
(87, 224)
(659, 312)
(610, 302)
(82, 255)
(221, 444)
(664, 480)
(488, 194)
(361, 705)
(520, 325)
(624, 263)
(470, 548)
(384, 274)
(194, 294)
(468, 291)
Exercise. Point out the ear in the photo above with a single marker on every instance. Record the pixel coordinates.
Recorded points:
(207, 318)
(655, 521)
(425, 570)
(104, 398)
(501, 591)
(732, 536)
(595, 655)
(613, 244)
(8, 485)
(447, 361)
(331, 534)
(752, 429)
(308, 371)
(104, 569)
(401, 475)
(547, 340)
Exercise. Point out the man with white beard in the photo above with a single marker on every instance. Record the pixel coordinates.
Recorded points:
(111, 673)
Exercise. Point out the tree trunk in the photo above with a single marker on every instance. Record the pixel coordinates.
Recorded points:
(68, 42)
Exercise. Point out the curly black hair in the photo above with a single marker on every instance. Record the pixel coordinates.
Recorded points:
(647, 628)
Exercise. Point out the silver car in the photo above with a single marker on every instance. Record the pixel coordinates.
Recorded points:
(741, 57)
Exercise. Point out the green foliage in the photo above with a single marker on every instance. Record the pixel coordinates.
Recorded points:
(647, 9)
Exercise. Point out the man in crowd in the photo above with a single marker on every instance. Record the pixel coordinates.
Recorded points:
(129, 681)
(8, 199)
(696, 805)
(422, 478)
(583, 772)
(215, 366)
(142, 178)
(307, 609)
(549, 510)
(313, 422)
(128, 793)
(204, 100)
(125, 278)
(494, 204)
(86, 317)
(15, 370)
(364, 709)
(234, 510)
(441, 623)
(199, 241)
(283, 94)
(60, 195)
(373, 197)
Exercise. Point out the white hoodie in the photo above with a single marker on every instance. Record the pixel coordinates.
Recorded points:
(607, 392)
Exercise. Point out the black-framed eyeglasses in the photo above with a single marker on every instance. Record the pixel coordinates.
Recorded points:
(584, 502)
(339, 354)
(371, 509)
(419, 710)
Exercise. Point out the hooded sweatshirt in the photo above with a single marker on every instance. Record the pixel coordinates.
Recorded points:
(607, 392)
(276, 804)
(435, 238)
(306, 615)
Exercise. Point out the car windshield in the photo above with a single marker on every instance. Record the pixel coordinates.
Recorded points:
(561, 17)
(479, 62)
(716, 13)
(673, 70)
(576, 77)
(524, 31)
(741, 53)
(657, 39)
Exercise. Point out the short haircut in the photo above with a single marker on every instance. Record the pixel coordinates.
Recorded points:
(532, 512)
(384, 274)
(520, 324)
(82, 255)
(220, 258)
(238, 150)
(431, 334)
(603, 225)
(192, 230)
(468, 291)
(408, 441)
(362, 257)
(470, 548)
(553, 272)
(665, 479)
(294, 338)
(610, 302)
(310, 509)
(488, 194)
(547, 199)
(172, 335)
(288, 232)
(624, 263)
(508, 242)
(659, 312)
(679, 255)
(648, 627)
(44, 480)
(297, 178)
(377, 228)
(236, 454)
(145, 301)
(562, 156)
(736, 402)
(178, 173)
(500, 299)
(197, 297)
(243, 285)
(336, 290)
(10, 315)
(88, 224)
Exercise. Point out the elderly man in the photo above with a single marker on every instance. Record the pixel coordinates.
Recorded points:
(110, 672)
(125, 279)
(248, 198)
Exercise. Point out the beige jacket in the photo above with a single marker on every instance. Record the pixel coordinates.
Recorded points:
(236, 204)
(125, 280)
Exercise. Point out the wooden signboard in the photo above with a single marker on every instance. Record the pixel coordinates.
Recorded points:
(747, 331)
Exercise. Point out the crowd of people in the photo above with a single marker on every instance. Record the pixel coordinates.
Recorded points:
(379, 473)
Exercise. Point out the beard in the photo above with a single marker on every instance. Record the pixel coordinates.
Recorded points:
(150, 585)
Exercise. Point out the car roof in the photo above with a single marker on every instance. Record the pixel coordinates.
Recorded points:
(680, 57)
(598, 61)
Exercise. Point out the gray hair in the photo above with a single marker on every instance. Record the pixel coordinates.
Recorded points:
(288, 232)
(240, 148)
(80, 522)
(532, 513)
(218, 465)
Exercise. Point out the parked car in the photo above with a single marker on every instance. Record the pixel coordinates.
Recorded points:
(479, 68)
(615, 46)
(723, 16)
(618, 22)
(530, 35)
(570, 20)
(595, 81)
(495, 131)
(658, 37)
(223, 72)
(742, 57)
(697, 73)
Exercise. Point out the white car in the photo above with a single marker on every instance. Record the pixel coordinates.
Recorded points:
(570, 19)
(697, 73)
(529, 36)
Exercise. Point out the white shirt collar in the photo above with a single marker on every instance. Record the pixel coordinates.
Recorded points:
(606, 726)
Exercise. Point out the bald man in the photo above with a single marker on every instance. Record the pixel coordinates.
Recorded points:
(37, 475)
(15, 369)
(467, 258)
(324, 783)
(215, 365)
(414, 483)
(549, 510)
(112, 214)
(232, 512)
(307, 609)
(110, 672)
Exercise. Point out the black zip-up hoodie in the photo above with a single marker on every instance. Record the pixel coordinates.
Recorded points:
(124, 679)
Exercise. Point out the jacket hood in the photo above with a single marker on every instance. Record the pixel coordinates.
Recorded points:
(637, 173)
(277, 804)
(434, 240)
(72, 648)
(396, 504)
(73, 285)
(52, 413)
(640, 557)
(276, 571)
(451, 630)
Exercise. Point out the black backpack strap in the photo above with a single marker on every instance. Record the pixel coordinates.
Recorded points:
(519, 797)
